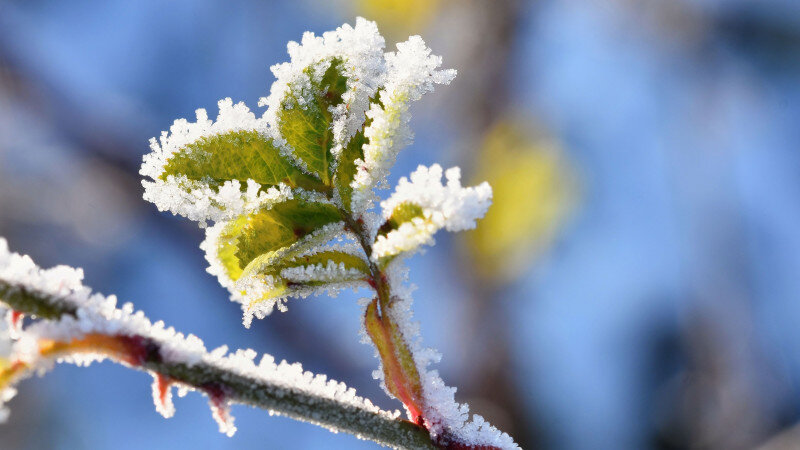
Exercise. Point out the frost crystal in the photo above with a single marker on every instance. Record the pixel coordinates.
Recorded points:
(411, 72)
(449, 206)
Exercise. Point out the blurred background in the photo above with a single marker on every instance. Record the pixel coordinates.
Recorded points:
(634, 286)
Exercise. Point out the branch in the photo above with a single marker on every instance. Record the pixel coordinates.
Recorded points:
(216, 376)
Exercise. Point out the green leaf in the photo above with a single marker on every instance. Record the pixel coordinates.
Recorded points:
(237, 155)
(305, 118)
(404, 212)
(346, 169)
(273, 263)
(271, 230)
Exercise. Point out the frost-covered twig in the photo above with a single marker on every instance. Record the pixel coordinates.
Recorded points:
(84, 328)
(291, 197)
(282, 188)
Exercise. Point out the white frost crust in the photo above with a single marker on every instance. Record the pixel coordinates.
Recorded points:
(328, 273)
(99, 314)
(445, 418)
(260, 286)
(449, 206)
(361, 50)
(411, 71)
(194, 199)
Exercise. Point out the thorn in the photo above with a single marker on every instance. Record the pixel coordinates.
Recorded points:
(162, 395)
(14, 319)
(220, 408)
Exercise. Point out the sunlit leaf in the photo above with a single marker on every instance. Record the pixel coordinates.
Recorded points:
(237, 155)
(305, 118)
(269, 230)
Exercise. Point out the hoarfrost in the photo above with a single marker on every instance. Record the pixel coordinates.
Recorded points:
(449, 206)
(411, 71)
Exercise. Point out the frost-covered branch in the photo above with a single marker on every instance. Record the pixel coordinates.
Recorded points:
(84, 327)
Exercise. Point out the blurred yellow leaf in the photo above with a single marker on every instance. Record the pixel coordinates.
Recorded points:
(399, 16)
(533, 191)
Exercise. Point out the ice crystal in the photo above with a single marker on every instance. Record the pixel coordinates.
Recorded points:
(449, 206)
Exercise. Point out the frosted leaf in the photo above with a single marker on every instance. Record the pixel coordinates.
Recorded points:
(411, 71)
(424, 206)
(312, 272)
(255, 284)
(360, 48)
(204, 197)
(182, 132)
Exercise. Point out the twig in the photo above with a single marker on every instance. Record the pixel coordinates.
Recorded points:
(237, 388)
